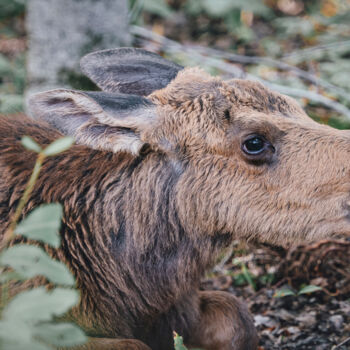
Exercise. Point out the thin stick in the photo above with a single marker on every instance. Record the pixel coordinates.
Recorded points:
(29, 188)
(323, 47)
(220, 266)
(347, 340)
(280, 65)
(144, 32)
(312, 96)
(236, 72)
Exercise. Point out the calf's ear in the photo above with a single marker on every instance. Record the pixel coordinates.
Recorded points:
(98, 120)
(129, 70)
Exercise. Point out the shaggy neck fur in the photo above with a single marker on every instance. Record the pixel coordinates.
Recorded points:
(121, 234)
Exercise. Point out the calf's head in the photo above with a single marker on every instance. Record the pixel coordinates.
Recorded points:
(248, 161)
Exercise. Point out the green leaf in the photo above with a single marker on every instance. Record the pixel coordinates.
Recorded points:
(30, 144)
(40, 305)
(193, 7)
(10, 9)
(11, 103)
(158, 7)
(283, 292)
(248, 276)
(18, 335)
(222, 8)
(59, 146)
(13, 329)
(10, 276)
(5, 65)
(42, 224)
(239, 279)
(255, 6)
(13, 344)
(178, 342)
(27, 335)
(60, 334)
(30, 261)
(217, 8)
(309, 289)
(267, 279)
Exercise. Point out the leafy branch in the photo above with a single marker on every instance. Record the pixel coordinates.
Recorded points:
(56, 147)
(29, 318)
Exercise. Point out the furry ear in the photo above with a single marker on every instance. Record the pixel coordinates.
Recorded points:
(129, 70)
(99, 120)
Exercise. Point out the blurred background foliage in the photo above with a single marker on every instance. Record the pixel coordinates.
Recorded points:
(12, 55)
(305, 40)
(302, 46)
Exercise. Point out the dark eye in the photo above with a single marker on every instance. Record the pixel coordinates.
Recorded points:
(254, 145)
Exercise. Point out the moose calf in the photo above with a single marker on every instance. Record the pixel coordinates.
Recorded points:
(170, 166)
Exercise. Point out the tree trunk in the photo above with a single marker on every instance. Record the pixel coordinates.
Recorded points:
(62, 31)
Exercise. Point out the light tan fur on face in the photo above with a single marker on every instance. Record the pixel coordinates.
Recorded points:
(300, 195)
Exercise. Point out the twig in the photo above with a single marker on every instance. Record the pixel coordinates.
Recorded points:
(220, 266)
(244, 60)
(312, 96)
(29, 188)
(175, 47)
(236, 72)
(135, 10)
(323, 47)
(347, 340)
(278, 64)
(328, 241)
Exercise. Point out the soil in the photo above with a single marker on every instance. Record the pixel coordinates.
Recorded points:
(317, 320)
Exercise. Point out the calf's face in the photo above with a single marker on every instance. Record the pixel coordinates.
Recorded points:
(249, 161)
(259, 166)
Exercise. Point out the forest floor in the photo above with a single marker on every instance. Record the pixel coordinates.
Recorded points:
(264, 276)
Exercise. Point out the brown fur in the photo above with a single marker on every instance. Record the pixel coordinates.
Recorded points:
(139, 231)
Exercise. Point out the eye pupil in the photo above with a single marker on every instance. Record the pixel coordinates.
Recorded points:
(255, 145)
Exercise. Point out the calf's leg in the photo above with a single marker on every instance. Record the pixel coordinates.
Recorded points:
(225, 324)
